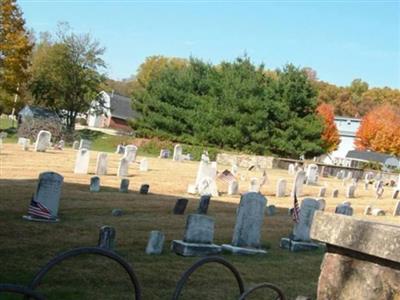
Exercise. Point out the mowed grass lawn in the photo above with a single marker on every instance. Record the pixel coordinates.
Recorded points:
(27, 246)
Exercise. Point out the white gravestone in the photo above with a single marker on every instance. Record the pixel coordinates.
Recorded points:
(144, 165)
(82, 161)
(85, 144)
(101, 164)
(123, 167)
(312, 174)
(233, 187)
(177, 156)
(130, 153)
(350, 191)
(43, 141)
(291, 169)
(254, 185)
(206, 178)
(298, 183)
(281, 187)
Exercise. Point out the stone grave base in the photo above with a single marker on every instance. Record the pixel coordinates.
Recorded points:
(192, 249)
(192, 189)
(242, 251)
(296, 246)
(30, 218)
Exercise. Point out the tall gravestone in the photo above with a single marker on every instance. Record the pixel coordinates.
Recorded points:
(101, 164)
(42, 141)
(249, 221)
(198, 237)
(155, 243)
(123, 167)
(281, 187)
(322, 191)
(206, 178)
(177, 156)
(254, 185)
(350, 191)
(130, 153)
(312, 174)
(300, 240)
(95, 184)
(203, 204)
(106, 237)
(298, 183)
(180, 206)
(46, 200)
(144, 165)
(85, 144)
(396, 211)
(124, 186)
(233, 187)
(82, 161)
(344, 209)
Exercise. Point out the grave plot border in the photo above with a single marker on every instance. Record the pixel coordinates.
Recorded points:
(22, 290)
(88, 250)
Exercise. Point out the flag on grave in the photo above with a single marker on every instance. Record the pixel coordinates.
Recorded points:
(296, 209)
(227, 176)
(37, 209)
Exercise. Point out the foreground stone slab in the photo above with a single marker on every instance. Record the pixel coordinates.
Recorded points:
(193, 249)
(362, 259)
(297, 246)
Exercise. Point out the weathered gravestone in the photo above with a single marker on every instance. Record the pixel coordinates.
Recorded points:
(164, 153)
(116, 212)
(177, 156)
(249, 221)
(25, 143)
(198, 237)
(130, 153)
(144, 165)
(344, 209)
(95, 184)
(75, 145)
(82, 161)
(300, 240)
(322, 191)
(106, 237)
(101, 164)
(362, 259)
(144, 189)
(124, 186)
(123, 167)
(84, 144)
(335, 193)
(233, 187)
(322, 204)
(396, 211)
(340, 174)
(350, 191)
(291, 169)
(180, 206)
(298, 183)
(281, 187)
(270, 210)
(120, 149)
(206, 179)
(377, 212)
(156, 243)
(42, 141)
(254, 185)
(45, 202)
(367, 179)
(203, 204)
(395, 194)
(312, 174)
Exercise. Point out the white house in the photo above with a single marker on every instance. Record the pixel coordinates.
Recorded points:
(116, 111)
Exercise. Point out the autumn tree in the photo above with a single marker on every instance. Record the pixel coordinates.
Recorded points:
(330, 135)
(15, 50)
(380, 130)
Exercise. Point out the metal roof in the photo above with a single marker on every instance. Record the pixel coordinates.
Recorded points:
(121, 107)
(369, 156)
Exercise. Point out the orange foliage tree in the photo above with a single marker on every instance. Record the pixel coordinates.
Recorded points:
(380, 130)
(330, 135)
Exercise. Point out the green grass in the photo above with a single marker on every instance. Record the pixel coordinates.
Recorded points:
(6, 125)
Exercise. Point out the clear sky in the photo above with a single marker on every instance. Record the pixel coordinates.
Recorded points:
(341, 40)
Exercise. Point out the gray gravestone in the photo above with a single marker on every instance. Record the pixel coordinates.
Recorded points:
(75, 145)
(233, 187)
(85, 144)
(123, 167)
(180, 206)
(95, 184)
(312, 174)
(344, 209)
(164, 153)
(340, 174)
(249, 221)
(177, 156)
(322, 192)
(198, 237)
(395, 194)
(156, 243)
(120, 149)
(144, 189)
(130, 153)
(396, 211)
(106, 237)
(322, 204)
(82, 161)
(298, 183)
(270, 210)
(47, 195)
(42, 141)
(116, 212)
(124, 186)
(101, 164)
(203, 204)
(350, 191)
(281, 187)
(335, 193)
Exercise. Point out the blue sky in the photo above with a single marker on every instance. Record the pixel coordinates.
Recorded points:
(341, 40)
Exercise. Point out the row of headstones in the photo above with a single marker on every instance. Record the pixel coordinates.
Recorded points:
(123, 188)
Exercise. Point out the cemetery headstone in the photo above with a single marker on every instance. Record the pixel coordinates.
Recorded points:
(144, 189)
(130, 153)
(396, 211)
(84, 144)
(45, 202)
(116, 212)
(164, 153)
(42, 141)
(156, 243)
(107, 237)
(198, 237)
(249, 221)
(144, 165)
(120, 149)
(291, 169)
(298, 183)
(322, 204)
(300, 238)
(377, 212)
(322, 191)
(25, 143)
(180, 206)
(177, 156)
(233, 187)
(350, 191)
(270, 210)
(124, 186)
(95, 184)
(395, 194)
(335, 193)
(254, 185)
(379, 189)
(206, 178)
(123, 167)
(60, 145)
(192, 189)
(75, 145)
(340, 174)
(312, 174)
(101, 164)
(344, 209)
(367, 210)
(281, 187)
(82, 161)
(203, 204)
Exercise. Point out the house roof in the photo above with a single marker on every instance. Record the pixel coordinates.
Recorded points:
(37, 112)
(369, 156)
(121, 107)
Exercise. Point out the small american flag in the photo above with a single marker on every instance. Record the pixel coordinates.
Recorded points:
(296, 209)
(37, 209)
(227, 176)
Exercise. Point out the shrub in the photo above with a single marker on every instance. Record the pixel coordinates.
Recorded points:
(31, 127)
